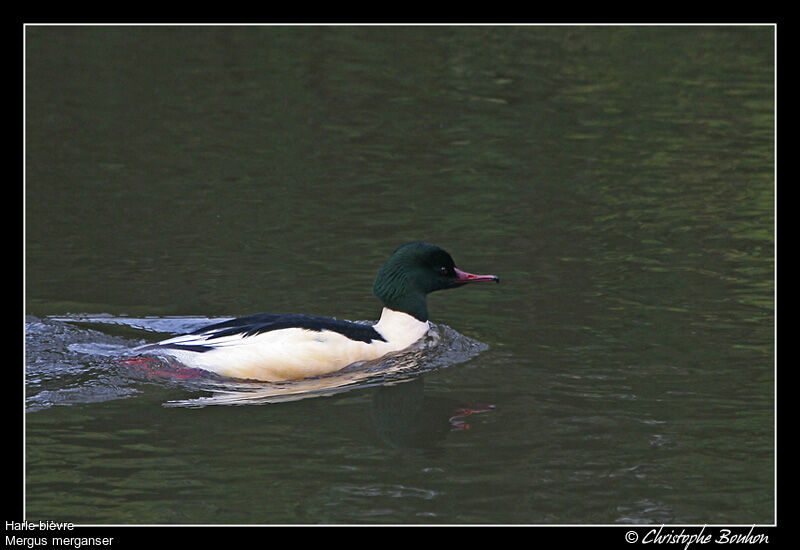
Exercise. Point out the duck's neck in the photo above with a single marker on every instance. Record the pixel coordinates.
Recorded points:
(400, 328)
(394, 288)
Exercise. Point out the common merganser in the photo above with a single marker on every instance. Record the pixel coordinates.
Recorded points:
(280, 347)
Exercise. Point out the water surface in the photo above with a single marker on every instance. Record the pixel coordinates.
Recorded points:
(619, 180)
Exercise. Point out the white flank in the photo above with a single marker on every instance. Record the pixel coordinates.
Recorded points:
(293, 353)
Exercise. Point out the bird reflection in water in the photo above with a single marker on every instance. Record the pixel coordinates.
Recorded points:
(404, 417)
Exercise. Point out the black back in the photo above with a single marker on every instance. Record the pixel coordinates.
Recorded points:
(251, 325)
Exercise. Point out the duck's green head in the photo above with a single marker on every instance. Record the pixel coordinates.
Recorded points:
(414, 270)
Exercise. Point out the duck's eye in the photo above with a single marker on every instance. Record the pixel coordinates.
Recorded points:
(443, 270)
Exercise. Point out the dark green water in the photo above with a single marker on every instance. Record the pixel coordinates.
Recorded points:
(619, 180)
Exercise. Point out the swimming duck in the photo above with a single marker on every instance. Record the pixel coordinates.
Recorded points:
(280, 347)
